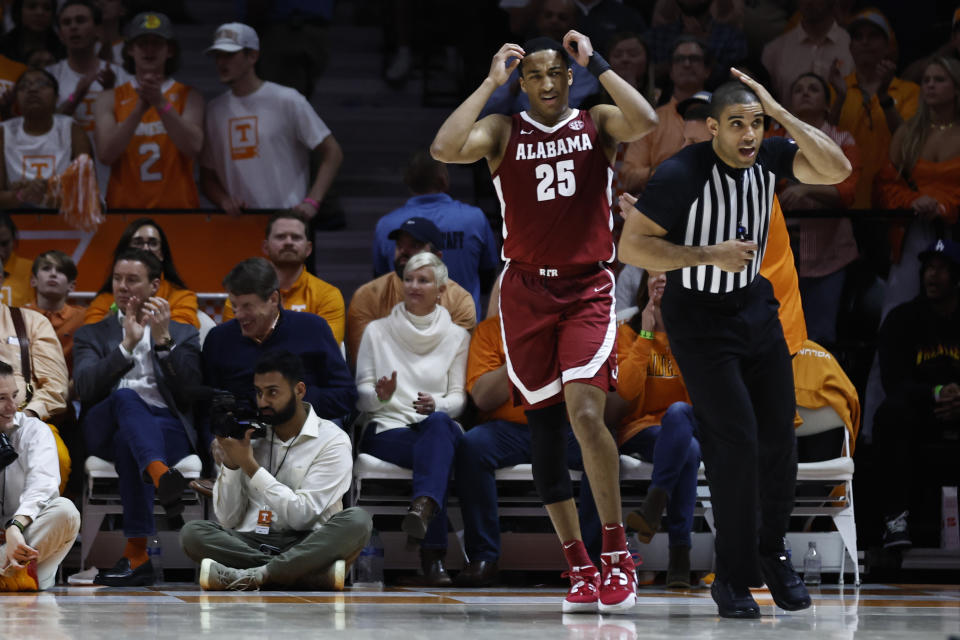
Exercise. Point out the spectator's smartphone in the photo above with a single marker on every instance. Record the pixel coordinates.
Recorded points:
(269, 549)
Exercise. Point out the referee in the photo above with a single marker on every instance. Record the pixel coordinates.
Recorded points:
(704, 218)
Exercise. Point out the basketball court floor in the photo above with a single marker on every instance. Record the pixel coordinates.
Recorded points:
(184, 611)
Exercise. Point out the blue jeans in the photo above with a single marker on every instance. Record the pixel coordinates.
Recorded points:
(428, 448)
(675, 454)
(131, 433)
(484, 449)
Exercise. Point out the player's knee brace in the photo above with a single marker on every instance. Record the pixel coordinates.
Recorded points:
(548, 451)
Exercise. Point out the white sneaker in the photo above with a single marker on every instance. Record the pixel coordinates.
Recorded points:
(217, 577)
(330, 579)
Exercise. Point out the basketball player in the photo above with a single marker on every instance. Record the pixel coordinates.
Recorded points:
(704, 217)
(149, 130)
(552, 167)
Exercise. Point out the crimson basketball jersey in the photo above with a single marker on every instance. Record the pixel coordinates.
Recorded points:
(554, 185)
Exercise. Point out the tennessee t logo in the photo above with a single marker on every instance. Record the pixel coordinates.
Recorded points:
(244, 137)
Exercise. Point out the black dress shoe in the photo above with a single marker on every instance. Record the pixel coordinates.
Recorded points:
(433, 571)
(734, 602)
(121, 575)
(418, 517)
(482, 573)
(170, 490)
(785, 585)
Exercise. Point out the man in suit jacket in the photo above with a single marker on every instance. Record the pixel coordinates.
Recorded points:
(133, 370)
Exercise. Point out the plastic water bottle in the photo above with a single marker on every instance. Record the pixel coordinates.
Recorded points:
(811, 565)
(369, 565)
(155, 553)
(786, 549)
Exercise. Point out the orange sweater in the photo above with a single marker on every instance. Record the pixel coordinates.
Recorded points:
(648, 378)
(821, 382)
(486, 354)
(183, 305)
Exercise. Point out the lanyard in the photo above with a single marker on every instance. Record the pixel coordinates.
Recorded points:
(284, 459)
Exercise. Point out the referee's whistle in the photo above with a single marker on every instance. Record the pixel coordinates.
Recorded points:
(742, 233)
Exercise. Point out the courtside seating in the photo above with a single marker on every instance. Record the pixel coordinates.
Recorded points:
(101, 498)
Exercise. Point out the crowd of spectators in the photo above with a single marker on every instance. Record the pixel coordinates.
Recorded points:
(413, 351)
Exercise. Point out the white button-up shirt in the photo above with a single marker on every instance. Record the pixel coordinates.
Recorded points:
(302, 480)
(142, 378)
(33, 479)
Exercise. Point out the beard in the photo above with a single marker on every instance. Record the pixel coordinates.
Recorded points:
(275, 418)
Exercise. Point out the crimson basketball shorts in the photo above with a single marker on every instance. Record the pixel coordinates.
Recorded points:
(557, 328)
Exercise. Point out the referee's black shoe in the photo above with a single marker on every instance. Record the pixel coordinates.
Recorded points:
(733, 602)
(785, 585)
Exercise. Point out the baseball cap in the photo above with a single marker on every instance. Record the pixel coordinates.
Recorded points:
(422, 229)
(874, 17)
(700, 97)
(234, 36)
(948, 249)
(150, 23)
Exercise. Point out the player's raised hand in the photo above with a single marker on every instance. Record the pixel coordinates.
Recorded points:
(504, 62)
(578, 46)
(732, 255)
(770, 106)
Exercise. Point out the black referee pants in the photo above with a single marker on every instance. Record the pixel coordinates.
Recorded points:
(737, 369)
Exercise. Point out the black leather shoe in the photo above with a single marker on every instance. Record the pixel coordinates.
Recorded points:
(170, 491)
(785, 585)
(121, 575)
(432, 568)
(482, 573)
(418, 517)
(734, 602)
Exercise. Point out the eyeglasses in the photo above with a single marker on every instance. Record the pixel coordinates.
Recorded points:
(139, 243)
(692, 59)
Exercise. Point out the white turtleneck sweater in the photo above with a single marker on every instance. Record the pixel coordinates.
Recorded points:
(429, 354)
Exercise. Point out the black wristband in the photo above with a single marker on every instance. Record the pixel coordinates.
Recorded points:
(596, 64)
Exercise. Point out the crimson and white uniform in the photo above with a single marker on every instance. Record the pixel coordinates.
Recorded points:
(556, 296)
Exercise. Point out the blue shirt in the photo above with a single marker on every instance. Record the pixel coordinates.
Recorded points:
(468, 247)
(229, 359)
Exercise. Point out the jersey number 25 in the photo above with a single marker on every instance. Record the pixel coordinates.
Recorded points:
(561, 175)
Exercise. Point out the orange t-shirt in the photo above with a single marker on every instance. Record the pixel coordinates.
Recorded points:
(65, 322)
(151, 172)
(780, 269)
(648, 378)
(486, 354)
(183, 305)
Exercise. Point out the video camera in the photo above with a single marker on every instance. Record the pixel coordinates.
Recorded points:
(232, 418)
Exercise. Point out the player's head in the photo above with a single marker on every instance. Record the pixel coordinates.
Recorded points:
(236, 49)
(545, 76)
(150, 45)
(736, 122)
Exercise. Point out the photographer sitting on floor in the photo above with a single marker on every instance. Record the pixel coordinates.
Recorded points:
(40, 526)
(282, 521)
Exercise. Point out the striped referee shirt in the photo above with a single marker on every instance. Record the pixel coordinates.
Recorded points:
(700, 200)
